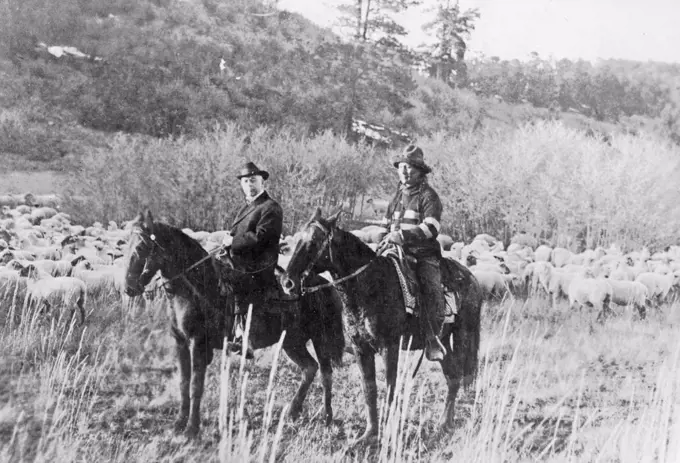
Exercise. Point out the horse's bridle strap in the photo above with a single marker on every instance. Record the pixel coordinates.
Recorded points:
(313, 289)
(327, 240)
(322, 248)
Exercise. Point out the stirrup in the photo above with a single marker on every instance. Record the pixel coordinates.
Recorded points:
(237, 348)
(434, 349)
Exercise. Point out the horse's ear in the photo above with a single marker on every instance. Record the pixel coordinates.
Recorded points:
(334, 218)
(317, 215)
(148, 221)
(139, 220)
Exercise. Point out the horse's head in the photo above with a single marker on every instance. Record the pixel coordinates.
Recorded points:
(144, 253)
(313, 252)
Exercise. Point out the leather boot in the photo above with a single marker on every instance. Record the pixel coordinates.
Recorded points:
(434, 349)
(277, 294)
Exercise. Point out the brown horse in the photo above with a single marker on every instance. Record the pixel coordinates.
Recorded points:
(375, 317)
(200, 316)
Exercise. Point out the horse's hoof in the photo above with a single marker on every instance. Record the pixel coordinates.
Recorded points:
(369, 439)
(180, 425)
(191, 432)
(294, 413)
(445, 429)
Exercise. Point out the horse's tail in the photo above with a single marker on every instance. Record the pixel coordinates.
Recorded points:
(331, 335)
(467, 327)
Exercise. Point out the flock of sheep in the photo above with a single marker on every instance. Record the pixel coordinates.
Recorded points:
(47, 262)
(594, 278)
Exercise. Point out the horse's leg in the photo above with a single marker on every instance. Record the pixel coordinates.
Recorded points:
(199, 361)
(642, 310)
(452, 367)
(302, 358)
(326, 384)
(366, 362)
(391, 366)
(81, 307)
(184, 363)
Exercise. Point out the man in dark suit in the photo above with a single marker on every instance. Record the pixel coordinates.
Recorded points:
(254, 243)
(254, 236)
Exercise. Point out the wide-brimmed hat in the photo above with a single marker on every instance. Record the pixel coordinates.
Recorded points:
(414, 156)
(250, 169)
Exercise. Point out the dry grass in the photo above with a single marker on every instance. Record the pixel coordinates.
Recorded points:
(552, 387)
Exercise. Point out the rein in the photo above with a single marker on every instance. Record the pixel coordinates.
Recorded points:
(211, 255)
(326, 244)
(312, 289)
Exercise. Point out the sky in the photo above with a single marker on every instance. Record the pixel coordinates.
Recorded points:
(641, 30)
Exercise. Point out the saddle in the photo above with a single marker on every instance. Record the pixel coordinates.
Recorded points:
(269, 300)
(405, 265)
(408, 280)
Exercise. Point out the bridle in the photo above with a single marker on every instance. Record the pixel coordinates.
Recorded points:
(182, 274)
(308, 269)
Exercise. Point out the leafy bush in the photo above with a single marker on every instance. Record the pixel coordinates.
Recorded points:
(192, 183)
(557, 184)
(543, 179)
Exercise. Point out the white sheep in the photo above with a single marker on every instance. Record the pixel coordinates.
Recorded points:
(658, 285)
(542, 253)
(559, 283)
(622, 272)
(445, 241)
(515, 263)
(490, 240)
(19, 254)
(12, 287)
(41, 213)
(47, 291)
(456, 250)
(492, 284)
(101, 282)
(630, 293)
(486, 263)
(537, 275)
(59, 268)
(560, 257)
(589, 291)
(373, 233)
(524, 239)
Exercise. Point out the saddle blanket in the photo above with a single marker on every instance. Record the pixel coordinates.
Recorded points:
(410, 287)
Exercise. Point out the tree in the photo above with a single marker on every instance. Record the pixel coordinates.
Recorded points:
(450, 27)
(373, 19)
(370, 72)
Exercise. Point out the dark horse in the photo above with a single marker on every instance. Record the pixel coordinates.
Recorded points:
(374, 315)
(200, 316)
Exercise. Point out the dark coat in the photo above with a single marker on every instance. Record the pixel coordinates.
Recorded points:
(256, 230)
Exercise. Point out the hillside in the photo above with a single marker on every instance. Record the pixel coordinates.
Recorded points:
(159, 72)
(180, 68)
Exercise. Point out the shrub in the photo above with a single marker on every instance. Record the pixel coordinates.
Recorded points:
(191, 182)
(543, 178)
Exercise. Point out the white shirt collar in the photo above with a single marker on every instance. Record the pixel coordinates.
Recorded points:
(250, 200)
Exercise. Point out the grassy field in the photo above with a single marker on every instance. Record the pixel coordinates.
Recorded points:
(38, 183)
(552, 386)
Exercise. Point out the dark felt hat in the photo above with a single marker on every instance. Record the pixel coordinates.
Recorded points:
(414, 156)
(250, 169)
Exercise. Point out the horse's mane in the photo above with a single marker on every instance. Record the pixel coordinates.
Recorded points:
(352, 244)
(178, 243)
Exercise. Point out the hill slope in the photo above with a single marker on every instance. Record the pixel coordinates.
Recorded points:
(162, 68)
